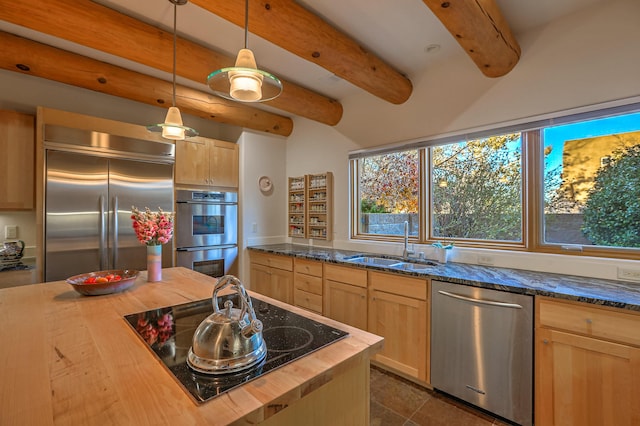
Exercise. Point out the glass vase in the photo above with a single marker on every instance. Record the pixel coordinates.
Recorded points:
(154, 263)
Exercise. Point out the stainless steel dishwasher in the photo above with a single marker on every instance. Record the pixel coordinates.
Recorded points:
(482, 348)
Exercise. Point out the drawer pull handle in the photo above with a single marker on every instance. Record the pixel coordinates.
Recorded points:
(545, 341)
(589, 321)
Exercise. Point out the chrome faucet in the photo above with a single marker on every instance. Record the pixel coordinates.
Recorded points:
(406, 252)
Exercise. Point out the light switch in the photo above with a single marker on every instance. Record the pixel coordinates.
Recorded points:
(10, 231)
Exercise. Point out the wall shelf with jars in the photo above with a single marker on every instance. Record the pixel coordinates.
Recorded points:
(310, 206)
(297, 207)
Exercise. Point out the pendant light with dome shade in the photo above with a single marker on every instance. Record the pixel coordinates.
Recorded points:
(244, 82)
(172, 128)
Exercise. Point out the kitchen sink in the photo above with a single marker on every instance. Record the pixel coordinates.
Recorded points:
(408, 266)
(391, 263)
(374, 261)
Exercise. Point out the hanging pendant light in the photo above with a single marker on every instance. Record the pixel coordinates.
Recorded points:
(245, 82)
(172, 128)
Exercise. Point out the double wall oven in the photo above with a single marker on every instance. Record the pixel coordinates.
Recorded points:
(207, 231)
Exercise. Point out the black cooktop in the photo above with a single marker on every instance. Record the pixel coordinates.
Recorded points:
(168, 332)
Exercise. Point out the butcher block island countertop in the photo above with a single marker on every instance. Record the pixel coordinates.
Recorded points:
(68, 359)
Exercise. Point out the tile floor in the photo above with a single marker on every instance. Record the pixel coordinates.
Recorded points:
(398, 402)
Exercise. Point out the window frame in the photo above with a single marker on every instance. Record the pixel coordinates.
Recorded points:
(532, 164)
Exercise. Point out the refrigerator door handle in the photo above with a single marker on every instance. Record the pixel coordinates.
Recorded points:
(115, 232)
(102, 253)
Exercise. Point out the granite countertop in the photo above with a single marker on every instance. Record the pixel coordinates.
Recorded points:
(618, 294)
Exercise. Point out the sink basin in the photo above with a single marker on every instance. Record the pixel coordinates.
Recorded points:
(392, 263)
(374, 261)
(408, 266)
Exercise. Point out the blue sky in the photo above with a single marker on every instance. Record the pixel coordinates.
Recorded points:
(556, 136)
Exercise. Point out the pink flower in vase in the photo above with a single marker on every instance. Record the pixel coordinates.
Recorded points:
(152, 228)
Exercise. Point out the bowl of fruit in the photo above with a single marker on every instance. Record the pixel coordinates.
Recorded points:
(103, 282)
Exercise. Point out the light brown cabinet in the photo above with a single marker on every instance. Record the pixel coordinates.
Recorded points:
(587, 364)
(206, 162)
(17, 167)
(307, 285)
(272, 275)
(398, 311)
(345, 295)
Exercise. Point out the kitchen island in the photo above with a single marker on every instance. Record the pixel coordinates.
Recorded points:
(73, 359)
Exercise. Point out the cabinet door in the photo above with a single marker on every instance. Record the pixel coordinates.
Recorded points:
(282, 285)
(223, 164)
(345, 303)
(260, 279)
(402, 321)
(585, 381)
(272, 282)
(17, 149)
(192, 162)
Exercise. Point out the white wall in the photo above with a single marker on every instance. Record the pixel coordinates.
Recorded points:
(316, 148)
(262, 215)
(588, 58)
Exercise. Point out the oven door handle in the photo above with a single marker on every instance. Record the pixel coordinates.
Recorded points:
(224, 246)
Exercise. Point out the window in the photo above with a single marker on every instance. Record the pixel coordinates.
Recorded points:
(592, 182)
(580, 174)
(388, 186)
(476, 189)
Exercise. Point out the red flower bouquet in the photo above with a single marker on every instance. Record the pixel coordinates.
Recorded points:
(152, 228)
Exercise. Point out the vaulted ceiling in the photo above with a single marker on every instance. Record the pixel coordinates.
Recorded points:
(322, 50)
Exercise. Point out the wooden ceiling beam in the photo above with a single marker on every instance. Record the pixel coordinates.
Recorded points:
(32, 58)
(292, 27)
(482, 31)
(98, 27)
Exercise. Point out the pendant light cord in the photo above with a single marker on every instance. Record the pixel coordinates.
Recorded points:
(246, 24)
(175, 13)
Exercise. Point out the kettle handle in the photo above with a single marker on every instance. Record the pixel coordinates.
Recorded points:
(245, 301)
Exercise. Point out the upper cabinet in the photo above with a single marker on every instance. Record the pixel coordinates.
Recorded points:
(206, 162)
(17, 150)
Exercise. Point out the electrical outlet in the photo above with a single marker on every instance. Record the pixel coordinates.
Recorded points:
(629, 274)
(254, 227)
(485, 260)
(10, 231)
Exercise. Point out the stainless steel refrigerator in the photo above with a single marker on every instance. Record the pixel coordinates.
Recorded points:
(92, 180)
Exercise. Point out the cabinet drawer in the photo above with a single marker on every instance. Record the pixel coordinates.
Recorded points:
(604, 323)
(398, 284)
(344, 274)
(303, 299)
(308, 283)
(273, 261)
(308, 267)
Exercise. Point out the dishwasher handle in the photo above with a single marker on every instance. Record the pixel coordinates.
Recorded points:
(481, 301)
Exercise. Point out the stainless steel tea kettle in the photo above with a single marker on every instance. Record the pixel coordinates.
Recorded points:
(228, 340)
